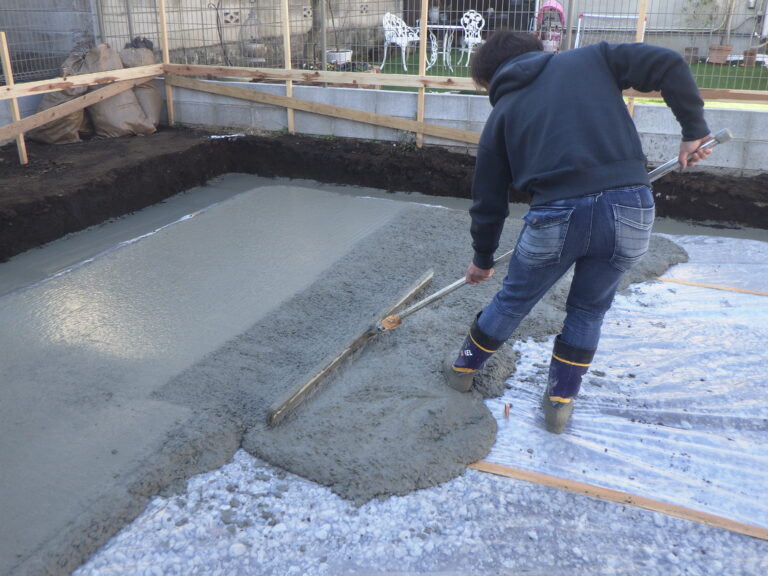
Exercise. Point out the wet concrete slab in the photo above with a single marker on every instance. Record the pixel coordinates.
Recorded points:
(94, 324)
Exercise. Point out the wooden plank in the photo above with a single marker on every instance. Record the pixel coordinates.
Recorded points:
(281, 409)
(323, 77)
(327, 110)
(711, 94)
(81, 80)
(5, 58)
(41, 118)
(166, 60)
(622, 498)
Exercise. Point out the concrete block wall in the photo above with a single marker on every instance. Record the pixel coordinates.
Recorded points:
(747, 154)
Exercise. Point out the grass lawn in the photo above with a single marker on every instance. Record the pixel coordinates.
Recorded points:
(729, 76)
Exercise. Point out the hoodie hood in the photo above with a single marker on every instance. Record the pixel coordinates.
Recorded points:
(517, 73)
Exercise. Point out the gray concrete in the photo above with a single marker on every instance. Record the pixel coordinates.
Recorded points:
(129, 365)
(82, 439)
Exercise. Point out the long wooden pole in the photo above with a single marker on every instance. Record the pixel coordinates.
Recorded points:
(287, 61)
(622, 498)
(13, 104)
(282, 408)
(422, 68)
(166, 60)
(80, 81)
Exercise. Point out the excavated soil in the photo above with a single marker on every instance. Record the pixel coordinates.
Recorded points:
(70, 187)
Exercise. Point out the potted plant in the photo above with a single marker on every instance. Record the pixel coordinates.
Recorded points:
(705, 13)
(337, 55)
(718, 53)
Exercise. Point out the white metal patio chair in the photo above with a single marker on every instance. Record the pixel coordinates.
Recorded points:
(398, 33)
(473, 23)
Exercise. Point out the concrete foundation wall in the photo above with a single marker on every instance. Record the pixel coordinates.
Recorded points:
(747, 154)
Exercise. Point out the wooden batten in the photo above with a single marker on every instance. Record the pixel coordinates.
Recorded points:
(625, 498)
(322, 77)
(327, 110)
(81, 80)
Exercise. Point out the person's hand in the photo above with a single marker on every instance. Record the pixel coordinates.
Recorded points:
(476, 275)
(690, 153)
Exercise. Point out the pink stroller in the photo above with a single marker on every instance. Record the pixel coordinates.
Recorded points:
(550, 23)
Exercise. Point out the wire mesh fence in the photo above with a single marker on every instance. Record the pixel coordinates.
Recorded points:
(723, 40)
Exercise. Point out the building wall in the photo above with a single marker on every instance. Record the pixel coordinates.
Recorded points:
(42, 33)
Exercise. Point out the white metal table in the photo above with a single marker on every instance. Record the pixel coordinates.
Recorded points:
(447, 44)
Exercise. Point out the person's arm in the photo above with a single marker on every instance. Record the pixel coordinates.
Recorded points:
(489, 210)
(649, 68)
(690, 152)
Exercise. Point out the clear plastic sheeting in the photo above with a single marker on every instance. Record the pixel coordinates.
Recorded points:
(674, 406)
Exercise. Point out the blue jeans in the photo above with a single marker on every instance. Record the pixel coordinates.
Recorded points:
(603, 235)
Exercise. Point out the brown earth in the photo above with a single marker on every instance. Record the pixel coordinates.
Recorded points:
(69, 187)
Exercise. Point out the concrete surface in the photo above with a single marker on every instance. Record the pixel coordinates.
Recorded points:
(140, 352)
(92, 330)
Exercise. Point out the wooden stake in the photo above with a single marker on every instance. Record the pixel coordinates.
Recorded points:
(642, 11)
(327, 110)
(286, 15)
(422, 68)
(13, 104)
(280, 410)
(166, 60)
(623, 498)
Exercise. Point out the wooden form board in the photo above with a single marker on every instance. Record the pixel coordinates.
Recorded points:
(623, 498)
(327, 110)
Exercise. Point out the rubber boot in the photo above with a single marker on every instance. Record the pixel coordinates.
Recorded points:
(566, 369)
(475, 350)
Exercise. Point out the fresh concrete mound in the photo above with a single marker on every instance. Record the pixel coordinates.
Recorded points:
(384, 423)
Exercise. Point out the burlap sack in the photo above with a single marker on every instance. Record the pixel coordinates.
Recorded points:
(148, 94)
(120, 115)
(65, 129)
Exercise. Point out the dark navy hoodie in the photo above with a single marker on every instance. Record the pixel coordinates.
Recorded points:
(559, 128)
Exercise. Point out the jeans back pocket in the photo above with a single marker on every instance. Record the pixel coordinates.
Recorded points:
(633, 234)
(542, 239)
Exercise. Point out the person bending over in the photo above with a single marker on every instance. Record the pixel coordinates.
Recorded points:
(560, 131)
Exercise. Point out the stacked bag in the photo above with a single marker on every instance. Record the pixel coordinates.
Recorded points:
(131, 112)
